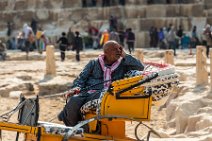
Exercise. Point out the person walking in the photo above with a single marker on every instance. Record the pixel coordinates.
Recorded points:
(130, 40)
(78, 45)
(63, 44)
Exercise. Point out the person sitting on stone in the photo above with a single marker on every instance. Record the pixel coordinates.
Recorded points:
(96, 77)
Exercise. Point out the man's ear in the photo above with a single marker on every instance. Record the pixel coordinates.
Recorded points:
(123, 53)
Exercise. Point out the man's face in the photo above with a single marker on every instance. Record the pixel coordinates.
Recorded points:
(113, 53)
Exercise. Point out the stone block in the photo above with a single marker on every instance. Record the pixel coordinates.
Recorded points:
(25, 15)
(132, 23)
(53, 15)
(135, 12)
(208, 2)
(135, 2)
(44, 4)
(140, 40)
(21, 5)
(3, 5)
(71, 3)
(57, 4)
(115, 11)
(197, 10)
(173, 10)
(6, 16)
(42, 15)
(156, 11)
(190, 10)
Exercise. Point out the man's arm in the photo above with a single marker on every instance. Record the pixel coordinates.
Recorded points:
(80, 81)
(133, 63)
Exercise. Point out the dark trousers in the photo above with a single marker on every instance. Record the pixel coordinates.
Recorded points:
(77, 55)
(130, 46)
(62, 55)
(71, 115)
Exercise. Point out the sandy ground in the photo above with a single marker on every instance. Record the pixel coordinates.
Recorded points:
(17, 66)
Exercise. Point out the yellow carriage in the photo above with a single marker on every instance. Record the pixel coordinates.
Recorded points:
(128, 99)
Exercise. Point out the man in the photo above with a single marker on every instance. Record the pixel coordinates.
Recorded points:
(130, 40)
(77, 45)
(63, 41)
(110, 66)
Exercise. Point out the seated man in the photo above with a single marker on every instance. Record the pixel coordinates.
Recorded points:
(96, 77)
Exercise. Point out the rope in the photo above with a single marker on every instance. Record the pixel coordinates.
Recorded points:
(6, 116)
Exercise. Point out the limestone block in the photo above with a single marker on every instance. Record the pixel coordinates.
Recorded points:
(44, 4)
(25, 15)
(53, 15)
(201, 66)
(145, 24)
(57, 4)
(192, 120)
(205, 122)
(186, 24)
(3, 5)
(181, 121)
(191, 10)
(21, 5)
(10, 5)
(169, 57)
(50, 61)
(53, 85)
(115, 11)
(72, 3)
(135, 12)
(92, 14)
(74, 15)
(6, 16)
(139, 55)
(209, 20)
(140, 39)
(208, 2)
(42, 15)
(31, 4)
(197, 10)
(173, 10)
(133, 23)
(135, 2)
(156, 11)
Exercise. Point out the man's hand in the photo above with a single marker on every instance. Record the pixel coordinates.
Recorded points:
(72, 92)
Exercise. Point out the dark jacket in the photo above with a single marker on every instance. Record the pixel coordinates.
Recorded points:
(93, 74)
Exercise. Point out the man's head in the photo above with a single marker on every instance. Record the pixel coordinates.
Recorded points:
(112, 51)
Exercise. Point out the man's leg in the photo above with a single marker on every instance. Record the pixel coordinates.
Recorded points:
(71, 112)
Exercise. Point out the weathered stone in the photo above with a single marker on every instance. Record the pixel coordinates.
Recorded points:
(156, 11)
(135, 2)
(25, 15)
(3, 5)
(20, 5)
(173, 10)
(72, 3)
(141, 39)
(42, 15)
(135, 12)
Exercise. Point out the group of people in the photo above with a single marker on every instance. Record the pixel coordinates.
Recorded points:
(71, 41)
(28, 39)
(172, 38)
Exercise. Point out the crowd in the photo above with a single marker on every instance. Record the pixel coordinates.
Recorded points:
(33, 37)
(172, 38)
